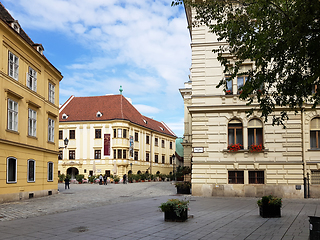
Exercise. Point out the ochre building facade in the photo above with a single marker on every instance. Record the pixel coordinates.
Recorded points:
(29, 100)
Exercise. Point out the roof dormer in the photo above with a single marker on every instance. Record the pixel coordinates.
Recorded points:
(64, 116)
(16, 26)
(39, 48)
(99, 114)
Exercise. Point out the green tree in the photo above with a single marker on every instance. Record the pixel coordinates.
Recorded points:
(281, 38)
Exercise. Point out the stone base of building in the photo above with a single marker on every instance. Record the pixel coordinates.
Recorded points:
(26, 195)
(237, 190)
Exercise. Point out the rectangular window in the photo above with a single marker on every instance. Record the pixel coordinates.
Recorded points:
(136, 136)
(12, 115)
(229, 86)
(124, 154)
(32, 123)
(50, 130)
(114, 133)
(114, 153)
(60, 156)
(72, 154)
(236, 177)
(241, 80)
(147, 139)
(119, 153)
(32, 79)
(156, 160)
(98, 133)
(31, 170)
(156, 143)
(72, 134)
(315, 177)
(124, 133)
(119, 133)
(256, 177)
(97, 154)
(147, 157)
(170, 160)
(60, 134)
(170, 145)
(13, 66)
(51, 92)
(163, 159)
(162, 143)
(50, 171)
(135, 155)
(11, 170)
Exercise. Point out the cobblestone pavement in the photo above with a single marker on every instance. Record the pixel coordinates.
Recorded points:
(130, 211)
(83, 196)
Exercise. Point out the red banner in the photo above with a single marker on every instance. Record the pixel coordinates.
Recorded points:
(107, 144)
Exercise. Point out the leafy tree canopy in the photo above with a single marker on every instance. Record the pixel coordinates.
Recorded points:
(281, 38)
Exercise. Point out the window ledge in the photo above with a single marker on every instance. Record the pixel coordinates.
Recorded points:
(12, 131)
(313, 149)
(247, 150)
(29, 136)
(53, 143)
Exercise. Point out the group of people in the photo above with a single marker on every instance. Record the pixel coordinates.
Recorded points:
(102, 180)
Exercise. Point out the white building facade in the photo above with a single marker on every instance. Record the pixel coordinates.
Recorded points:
(215, 119)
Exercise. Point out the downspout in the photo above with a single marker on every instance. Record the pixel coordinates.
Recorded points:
(303, 155)
(150, 158)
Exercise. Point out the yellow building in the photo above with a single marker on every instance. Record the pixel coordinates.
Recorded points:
(29, 98)
(107, 135)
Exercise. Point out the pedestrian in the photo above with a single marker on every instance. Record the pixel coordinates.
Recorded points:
(105, 178)
(100, 178)
(124, 178)
(67, 183)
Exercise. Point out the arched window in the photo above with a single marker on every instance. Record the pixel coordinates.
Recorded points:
(255, 132)
(315, 133)
(235, 135)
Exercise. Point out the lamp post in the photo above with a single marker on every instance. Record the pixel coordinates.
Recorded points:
(65, 141)
(173, 166)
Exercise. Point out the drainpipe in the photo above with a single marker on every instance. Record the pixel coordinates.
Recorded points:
(150, 155)
(303, 156)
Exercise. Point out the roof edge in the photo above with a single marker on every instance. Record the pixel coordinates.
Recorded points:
(66, 103)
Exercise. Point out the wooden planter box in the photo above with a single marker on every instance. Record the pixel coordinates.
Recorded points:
(181, 190)
(171, 216)
(270, 211)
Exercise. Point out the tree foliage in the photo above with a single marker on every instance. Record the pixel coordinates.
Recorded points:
(281, 38)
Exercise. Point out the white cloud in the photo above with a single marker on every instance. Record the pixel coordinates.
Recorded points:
(146, 110)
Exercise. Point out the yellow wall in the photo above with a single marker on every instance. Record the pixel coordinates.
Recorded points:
(17, 143)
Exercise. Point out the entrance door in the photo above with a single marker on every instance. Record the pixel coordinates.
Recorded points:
(72, 171)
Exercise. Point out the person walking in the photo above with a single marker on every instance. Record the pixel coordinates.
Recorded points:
(105, 178)
(124, 178)
(67, 183)
(100, 178)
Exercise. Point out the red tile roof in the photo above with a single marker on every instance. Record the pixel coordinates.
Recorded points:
(112, 107)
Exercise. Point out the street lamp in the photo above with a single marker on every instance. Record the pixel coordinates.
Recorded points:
(65, 141)
(173, 166)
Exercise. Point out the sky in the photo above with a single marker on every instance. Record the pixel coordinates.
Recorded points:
(98, 45)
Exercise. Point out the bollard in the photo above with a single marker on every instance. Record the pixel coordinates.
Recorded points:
(314, 228)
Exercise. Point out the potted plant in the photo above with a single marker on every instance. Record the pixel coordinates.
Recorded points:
(228, 92)
(92, 178)
(116, 179)
(256, 148)
(183, 187)
(79, 178)
(175, 210)
(270, 206)
(235, 147)
(61, 178)
(130, 178)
